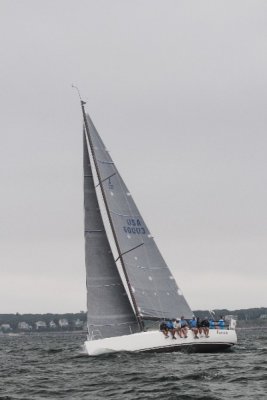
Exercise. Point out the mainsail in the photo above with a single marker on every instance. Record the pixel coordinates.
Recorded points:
(109, 309)
(153, 289)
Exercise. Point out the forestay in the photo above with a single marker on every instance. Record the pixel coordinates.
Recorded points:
(109, 310)
(152, 285)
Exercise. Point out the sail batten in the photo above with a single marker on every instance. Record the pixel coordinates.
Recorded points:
(124, 215)
(151, 284)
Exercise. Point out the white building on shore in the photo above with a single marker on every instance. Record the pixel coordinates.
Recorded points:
(63, 323)
(52, 325)
(78, 323)
(5, 328)
(40, 325)
(24, 326)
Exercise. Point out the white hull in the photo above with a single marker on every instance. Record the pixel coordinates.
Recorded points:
(154, 341)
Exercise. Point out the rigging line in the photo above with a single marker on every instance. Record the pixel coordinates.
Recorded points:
(153, 285)
(103, 180)
(128, 251)
(75, 87)
(100, 145)
(93, 154)
(131, 207)
(111, 162)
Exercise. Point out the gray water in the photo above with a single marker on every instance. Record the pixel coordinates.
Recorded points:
(55, 366)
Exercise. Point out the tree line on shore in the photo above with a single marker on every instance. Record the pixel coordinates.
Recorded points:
(13, 320)
(245, 314)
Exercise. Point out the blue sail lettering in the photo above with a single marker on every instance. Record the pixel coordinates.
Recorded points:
(133, 222)
(134, 230)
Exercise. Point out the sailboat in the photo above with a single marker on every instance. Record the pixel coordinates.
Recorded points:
(129, 285)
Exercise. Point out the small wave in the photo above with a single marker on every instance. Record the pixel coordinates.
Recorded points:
(260, 368)
(10, 351)
(53, 351)
(262, 350)
(79, 355)
(196, 376)
(9, 398)
(181, 396)
(239, 379)
(167, 379)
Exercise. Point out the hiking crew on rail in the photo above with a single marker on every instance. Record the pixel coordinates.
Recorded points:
(197, 326)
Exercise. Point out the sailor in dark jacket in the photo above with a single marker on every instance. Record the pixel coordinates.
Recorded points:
(164, 329)
(205, 325)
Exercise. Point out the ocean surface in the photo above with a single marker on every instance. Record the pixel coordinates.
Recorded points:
(55, 366)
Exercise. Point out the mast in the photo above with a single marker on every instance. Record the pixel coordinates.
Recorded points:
(139, 319)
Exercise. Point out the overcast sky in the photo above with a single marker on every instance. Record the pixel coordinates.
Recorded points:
(178, 92)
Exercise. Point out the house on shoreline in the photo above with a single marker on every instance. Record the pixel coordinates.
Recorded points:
(24, 326)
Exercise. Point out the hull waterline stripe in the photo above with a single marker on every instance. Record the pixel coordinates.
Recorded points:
(177, 346)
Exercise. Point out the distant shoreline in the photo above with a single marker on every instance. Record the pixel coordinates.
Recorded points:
(252, 318)
(251, 328)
